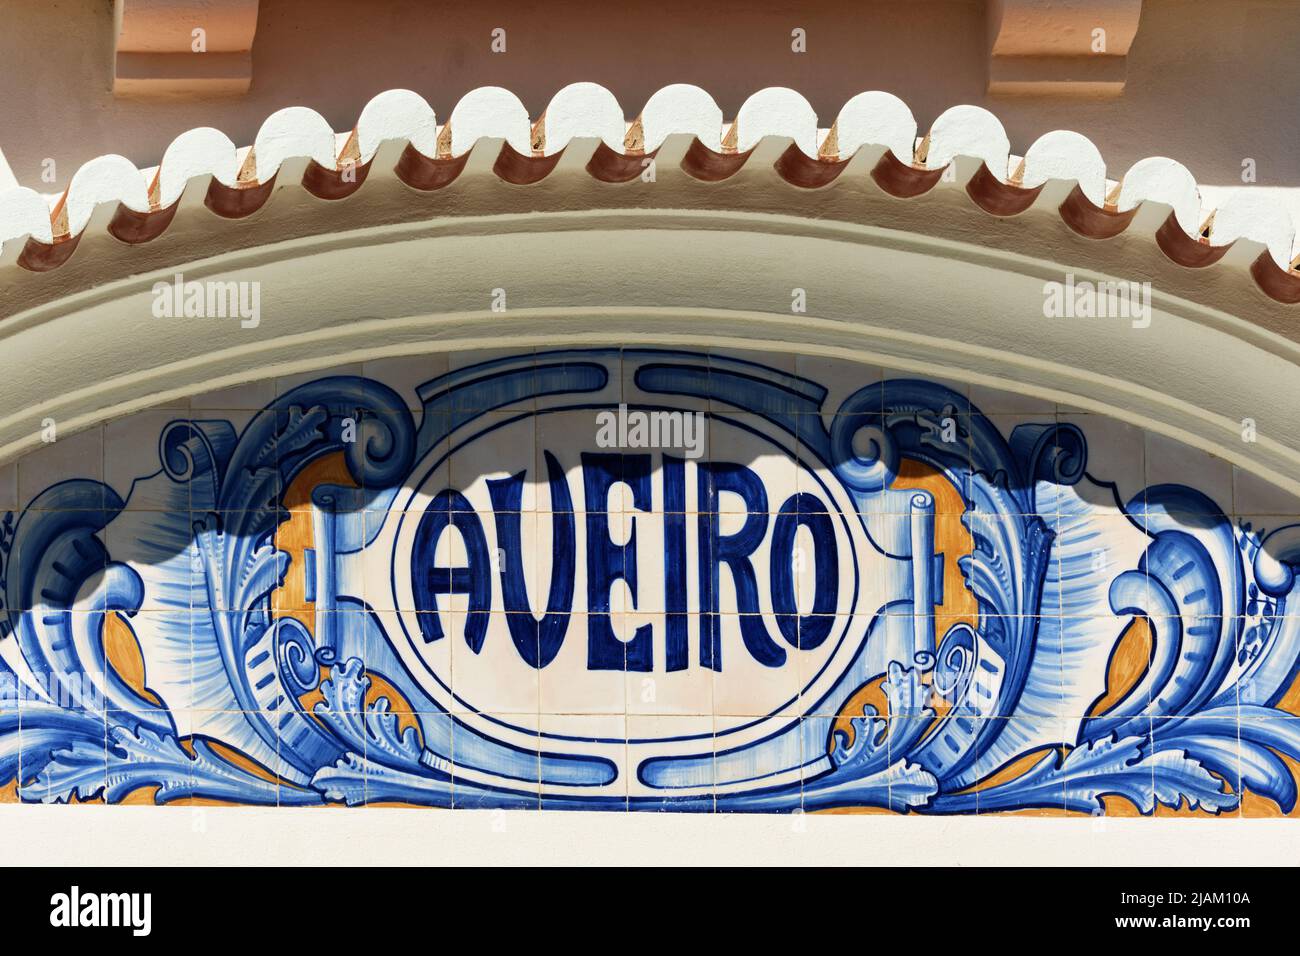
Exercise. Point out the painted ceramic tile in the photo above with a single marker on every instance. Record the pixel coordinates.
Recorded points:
(646, 580)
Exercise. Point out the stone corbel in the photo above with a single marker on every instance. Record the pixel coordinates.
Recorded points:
(1075, 47)
(183, 46)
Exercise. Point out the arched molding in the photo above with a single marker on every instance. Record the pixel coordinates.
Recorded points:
(929, 304)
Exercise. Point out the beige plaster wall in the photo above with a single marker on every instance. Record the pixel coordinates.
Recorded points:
(1210, 81)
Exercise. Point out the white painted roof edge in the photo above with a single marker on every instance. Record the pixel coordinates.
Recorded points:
(587, 110)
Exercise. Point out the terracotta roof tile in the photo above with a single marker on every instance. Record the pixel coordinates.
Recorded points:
(298, 144)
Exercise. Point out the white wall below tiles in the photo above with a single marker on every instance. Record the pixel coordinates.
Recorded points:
(125, 836)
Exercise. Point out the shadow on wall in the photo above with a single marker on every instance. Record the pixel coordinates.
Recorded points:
(350, 444)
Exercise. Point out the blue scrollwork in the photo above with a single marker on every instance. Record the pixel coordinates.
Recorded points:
(1009, 710)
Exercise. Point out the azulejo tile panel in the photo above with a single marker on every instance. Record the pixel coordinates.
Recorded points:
(646, 580)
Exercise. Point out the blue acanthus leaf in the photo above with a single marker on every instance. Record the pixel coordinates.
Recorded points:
(899, 786)
(862, 774)
(906, 692)
(345, 781)
(910, 785)
(303, 429)
(144, 758)
(910, 714)
(1179, 777)
(76, 771)
(867, 749)
(251, 492)
(262, 573)
(371, 729)
(354, 780)
(1109, 767)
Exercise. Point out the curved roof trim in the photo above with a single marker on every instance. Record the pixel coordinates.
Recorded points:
(40, 232)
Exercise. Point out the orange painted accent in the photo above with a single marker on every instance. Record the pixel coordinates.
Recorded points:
(379, 687)
(1117, 806)
(953, 541)
(141, 797)
(1012, 770)
(1290, 702)
(1255, 806)
(122, 651)
(856, 811)
(9, 793)
(295, 535)
(871, 693)
(1128, 663)
(239, 759)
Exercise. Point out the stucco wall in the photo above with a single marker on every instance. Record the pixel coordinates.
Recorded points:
(1211, 82)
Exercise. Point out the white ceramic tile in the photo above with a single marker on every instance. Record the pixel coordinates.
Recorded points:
(285, 384)
(79, 455)
(252, 396)
(611, 710)
(406, 373)
(1253, 495)
(9, 486)
(131, 452)
(999, 401)
(569, 686)
(495, 678)
(1171, 462)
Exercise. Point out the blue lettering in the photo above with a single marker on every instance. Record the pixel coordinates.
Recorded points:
(734, 550)
(608, 562)
(677, 640)
(807, 632)
(538, 635)
(537, 641)
(451, 509)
